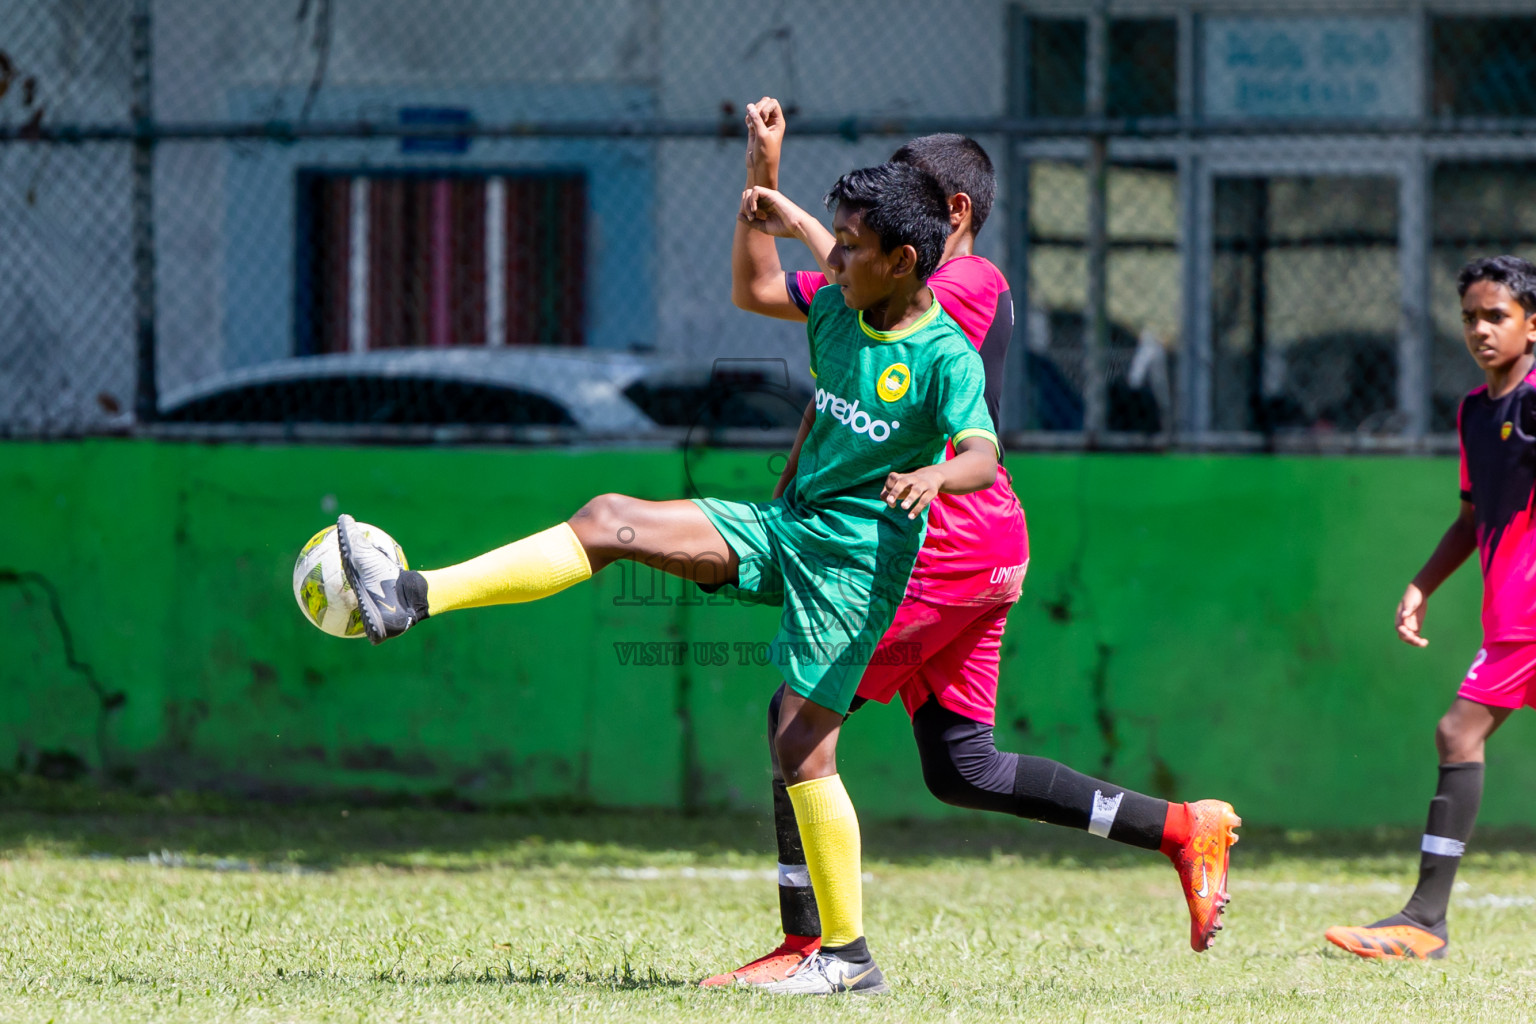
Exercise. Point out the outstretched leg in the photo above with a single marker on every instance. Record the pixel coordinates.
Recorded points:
(673, 536)
(963, 767)
(952, 700)
(1418, 931)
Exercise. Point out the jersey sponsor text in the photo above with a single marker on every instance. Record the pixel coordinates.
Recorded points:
(1008, 573)
(851, 416)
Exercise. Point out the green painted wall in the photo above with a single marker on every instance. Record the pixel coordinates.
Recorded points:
(1206, 626)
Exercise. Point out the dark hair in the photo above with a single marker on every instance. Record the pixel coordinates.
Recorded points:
(1512, 272)
(902, 204)
(960, 164)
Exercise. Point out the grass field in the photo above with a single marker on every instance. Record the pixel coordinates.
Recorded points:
(140, 910)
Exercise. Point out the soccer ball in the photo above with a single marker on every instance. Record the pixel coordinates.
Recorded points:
(320, 584)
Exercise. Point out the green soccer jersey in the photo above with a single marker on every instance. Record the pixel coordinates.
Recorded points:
(885, 402)
(830, 553)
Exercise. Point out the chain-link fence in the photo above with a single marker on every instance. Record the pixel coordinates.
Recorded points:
(1225, 225)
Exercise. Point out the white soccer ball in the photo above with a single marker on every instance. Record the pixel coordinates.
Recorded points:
(320, 584)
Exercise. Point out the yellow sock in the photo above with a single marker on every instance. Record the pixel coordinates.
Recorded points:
(525, 570)
(829, 831)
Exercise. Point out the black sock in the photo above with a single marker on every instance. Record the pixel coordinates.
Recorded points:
(1050, 791)
(797, 900)
(856, 952)
(963, 767)
(1451, 815)
(413, 591)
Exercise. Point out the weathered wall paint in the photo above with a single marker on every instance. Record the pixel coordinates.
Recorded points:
(1199, 626)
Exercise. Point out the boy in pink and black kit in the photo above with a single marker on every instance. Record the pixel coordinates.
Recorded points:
(1497, 428)
(968, 575)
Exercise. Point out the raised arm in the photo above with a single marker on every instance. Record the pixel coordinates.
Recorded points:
(757, 277)
(763, 167)
(765, 142)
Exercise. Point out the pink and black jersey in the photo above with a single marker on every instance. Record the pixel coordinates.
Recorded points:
(977, 545)
(1498, 476)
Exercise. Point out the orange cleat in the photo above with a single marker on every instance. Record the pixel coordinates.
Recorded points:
(766, 969)
(1389, 942)
(1202, 865)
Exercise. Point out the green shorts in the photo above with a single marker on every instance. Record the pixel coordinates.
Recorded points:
(839, 594)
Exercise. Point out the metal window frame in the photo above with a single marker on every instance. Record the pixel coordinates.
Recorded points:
(495, 178)
(1409, 157)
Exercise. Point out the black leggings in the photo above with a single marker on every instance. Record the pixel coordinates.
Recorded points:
(963, 767)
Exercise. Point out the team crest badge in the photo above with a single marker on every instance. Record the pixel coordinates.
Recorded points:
(1504, 431)
(894, 381)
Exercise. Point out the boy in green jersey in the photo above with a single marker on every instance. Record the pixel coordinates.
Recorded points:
(895, 379)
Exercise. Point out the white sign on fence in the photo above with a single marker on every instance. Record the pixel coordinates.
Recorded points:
(1311, 67)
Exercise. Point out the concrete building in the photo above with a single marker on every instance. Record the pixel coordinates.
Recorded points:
(1290, 187)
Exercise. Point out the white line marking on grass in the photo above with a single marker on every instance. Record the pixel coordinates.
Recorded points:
(202, 862)
(706, 874)
(1316, 888)
(1493, 901)
(1485, 901)
(1331, 888)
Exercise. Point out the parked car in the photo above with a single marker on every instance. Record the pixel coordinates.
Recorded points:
(581, 393)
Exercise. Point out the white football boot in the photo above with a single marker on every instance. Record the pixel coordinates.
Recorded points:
(375, 578)
(824, 974)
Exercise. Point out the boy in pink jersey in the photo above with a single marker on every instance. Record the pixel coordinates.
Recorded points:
(968, 574)
(1496, 426)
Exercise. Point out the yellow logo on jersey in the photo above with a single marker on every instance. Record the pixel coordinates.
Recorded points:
(894, 381)
(1504, 431)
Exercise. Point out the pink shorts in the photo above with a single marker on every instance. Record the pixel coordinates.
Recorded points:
(950, 652)
(1503, 675)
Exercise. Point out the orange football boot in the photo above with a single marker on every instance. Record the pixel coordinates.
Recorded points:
(769, 968)
(1388, 942)
(1202, 865)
